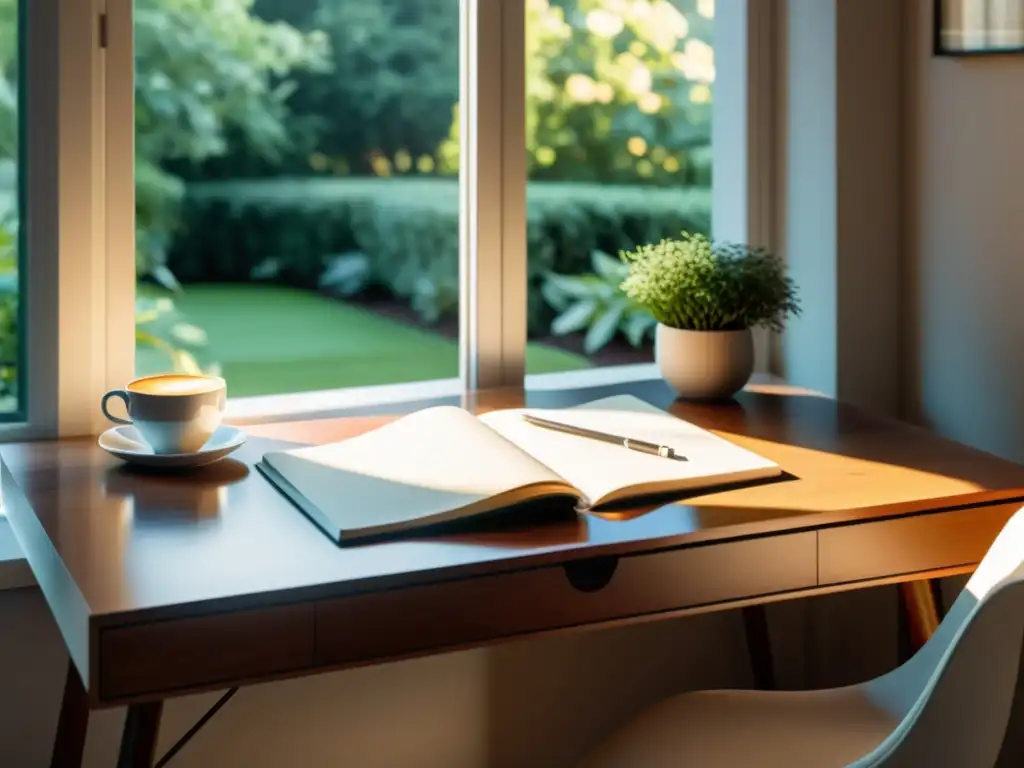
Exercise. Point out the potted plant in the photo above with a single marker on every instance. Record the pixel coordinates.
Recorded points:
(706, 298)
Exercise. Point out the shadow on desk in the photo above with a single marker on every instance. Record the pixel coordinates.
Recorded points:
(631, 510)
(539, 523)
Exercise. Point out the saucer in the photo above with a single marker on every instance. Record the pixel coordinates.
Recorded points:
(126, 444)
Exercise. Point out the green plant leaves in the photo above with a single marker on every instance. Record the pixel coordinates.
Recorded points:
(556, 298)
(160, 326)
(575, 318)
(604, 326)
(163, 277)
(346, 274)
(595, 303)
(695, 284)
(637, 325)
(608, 268)
(575, 286)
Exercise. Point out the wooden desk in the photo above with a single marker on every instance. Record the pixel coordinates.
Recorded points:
(165, 585)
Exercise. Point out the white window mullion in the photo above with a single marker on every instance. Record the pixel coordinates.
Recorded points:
(513, 185)
(493, 193)
(81, 273)
(118, 258)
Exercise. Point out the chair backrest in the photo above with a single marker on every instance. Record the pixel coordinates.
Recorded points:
(954, 696)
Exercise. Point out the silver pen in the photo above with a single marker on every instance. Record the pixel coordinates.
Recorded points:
(666, 452)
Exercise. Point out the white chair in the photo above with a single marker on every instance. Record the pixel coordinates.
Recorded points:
(947, 707)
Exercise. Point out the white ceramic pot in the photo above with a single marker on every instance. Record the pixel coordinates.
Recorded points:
(704, 365)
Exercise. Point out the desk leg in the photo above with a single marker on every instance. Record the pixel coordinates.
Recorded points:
(138, 742)
(69, 743)
(759, 647)
(921, 609)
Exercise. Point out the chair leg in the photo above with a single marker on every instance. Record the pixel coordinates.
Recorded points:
(938, 599)
(138, 742)
(920, 613)
(73, 723)
(759, 647)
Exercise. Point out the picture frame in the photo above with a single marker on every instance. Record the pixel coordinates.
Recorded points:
(978, 27)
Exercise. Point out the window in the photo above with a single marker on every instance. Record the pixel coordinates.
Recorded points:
(618, 142)
(319, 198)
(12, 370)
(297, 191)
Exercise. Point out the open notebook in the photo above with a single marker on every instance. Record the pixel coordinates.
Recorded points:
(442, 464)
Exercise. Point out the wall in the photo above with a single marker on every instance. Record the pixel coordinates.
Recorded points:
(963, 318)
(964, 351)
(840, 203)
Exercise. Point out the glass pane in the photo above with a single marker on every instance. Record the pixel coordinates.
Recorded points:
(11, 349)
(618, 137)
(297, 191)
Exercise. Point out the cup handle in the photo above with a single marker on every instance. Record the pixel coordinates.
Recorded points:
(103, 405)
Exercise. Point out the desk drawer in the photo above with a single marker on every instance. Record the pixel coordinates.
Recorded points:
(195, 652)
(910, 544)
(405, 621)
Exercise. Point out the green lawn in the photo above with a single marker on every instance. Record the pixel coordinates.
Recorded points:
(271, 340)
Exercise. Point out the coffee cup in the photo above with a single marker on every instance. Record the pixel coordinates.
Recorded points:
(173, 413)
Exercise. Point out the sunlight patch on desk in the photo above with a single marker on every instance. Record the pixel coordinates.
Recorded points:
(826, 484)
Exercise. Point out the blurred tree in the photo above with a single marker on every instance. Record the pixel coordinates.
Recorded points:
(616, 91)
(396, 75)
(9, 342)
(8, 78)
(205, 70)
(387, 101)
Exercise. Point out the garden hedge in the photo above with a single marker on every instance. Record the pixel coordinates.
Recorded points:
(408, 229)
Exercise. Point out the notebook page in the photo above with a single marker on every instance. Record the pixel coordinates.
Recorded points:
(428, 463)
(599, 469)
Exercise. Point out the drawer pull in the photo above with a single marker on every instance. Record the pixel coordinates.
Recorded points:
(592, 574)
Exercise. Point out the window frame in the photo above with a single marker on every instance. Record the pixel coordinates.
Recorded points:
(492, 257)
(38, 38)
(21, 203)
(74, 268)
(81, 205)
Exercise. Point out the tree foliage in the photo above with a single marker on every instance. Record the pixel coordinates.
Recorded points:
(383, 106)
(626, 95)
(205, 71)
(395, 77)
(8, 79)
(616, 91)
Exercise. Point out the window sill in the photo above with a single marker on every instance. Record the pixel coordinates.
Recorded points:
(303, 406)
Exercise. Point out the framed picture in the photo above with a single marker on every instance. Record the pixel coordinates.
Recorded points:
(978, 27)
